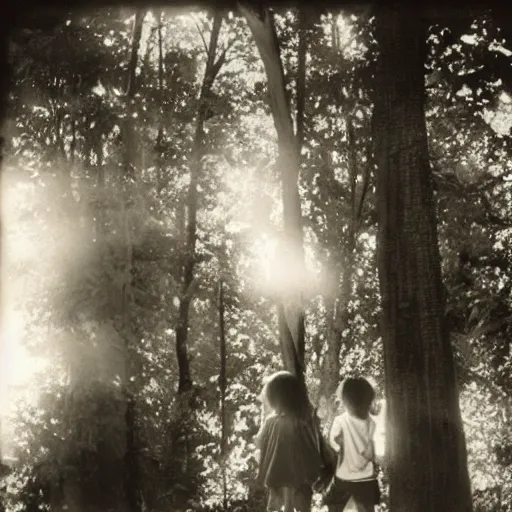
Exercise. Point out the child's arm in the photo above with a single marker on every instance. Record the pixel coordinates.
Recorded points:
(336, 435)
(369, 451)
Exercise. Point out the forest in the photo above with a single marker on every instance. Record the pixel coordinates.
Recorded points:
(192, 199)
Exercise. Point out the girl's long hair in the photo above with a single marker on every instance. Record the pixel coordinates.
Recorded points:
(286, 396)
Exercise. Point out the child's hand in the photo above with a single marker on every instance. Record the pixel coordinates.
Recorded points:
(339, 441)
(368, 452)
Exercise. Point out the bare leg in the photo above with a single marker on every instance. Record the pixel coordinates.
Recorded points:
(288, 494)
(351, 506)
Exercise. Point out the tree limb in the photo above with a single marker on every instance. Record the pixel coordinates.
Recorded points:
(202, 38)
(366, 182)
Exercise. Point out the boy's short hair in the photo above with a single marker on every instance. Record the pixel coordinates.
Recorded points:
(358, 395)
(285, 395)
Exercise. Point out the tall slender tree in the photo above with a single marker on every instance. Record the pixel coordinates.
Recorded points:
(213, 66)
(131, 481)
(338, 306)
(290, 309)
(425, 439)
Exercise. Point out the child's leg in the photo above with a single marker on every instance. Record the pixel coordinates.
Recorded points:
(338, 497)
(302, 499)
(351, 506)
(290, 499)
(365, 496)
(361, 506)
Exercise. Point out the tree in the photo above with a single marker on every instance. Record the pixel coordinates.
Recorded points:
(3, 97)
(425, 441)
(131, 482)
(213, 65)
(290, 307)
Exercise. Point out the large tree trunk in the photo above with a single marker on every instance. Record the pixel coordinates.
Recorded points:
(291, 310)
(4, 84)
(212, 68)
(424, 434)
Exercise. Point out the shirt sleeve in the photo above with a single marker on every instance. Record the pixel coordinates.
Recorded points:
(336, 434)
(262, 437)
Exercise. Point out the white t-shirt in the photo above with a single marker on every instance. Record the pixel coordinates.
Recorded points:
(357, 436)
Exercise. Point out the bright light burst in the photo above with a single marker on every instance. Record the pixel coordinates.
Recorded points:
(18, 368)
(21, 255)
(277, 270)
(265, 253)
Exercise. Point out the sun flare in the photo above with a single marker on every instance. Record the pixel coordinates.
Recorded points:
(265, 253)
(18, 367)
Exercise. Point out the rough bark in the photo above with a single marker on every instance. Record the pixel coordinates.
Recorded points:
(427, 466)
(291, 310)
(213, 66)
(4, 89)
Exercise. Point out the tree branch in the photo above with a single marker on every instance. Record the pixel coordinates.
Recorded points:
(202, 37)
(212, 67)
(352, 158)
(137, 32)
(366, 182)
(495, 180)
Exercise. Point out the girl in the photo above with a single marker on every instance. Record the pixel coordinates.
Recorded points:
(352, 436)
(289, 459)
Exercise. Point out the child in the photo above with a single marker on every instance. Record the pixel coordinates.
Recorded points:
(289, 459)
(352, 435)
